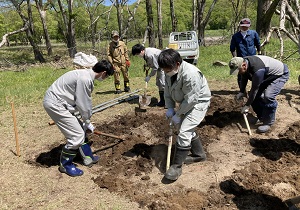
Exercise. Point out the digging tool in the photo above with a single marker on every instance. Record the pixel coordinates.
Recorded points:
(109, 135)
(145, 100)
(247, 123)
(107, 104)
(169, 144)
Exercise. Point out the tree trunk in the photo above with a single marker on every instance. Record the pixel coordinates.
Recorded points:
(159, 23)
(203, 21)
(68, 27)
(42, 13)
(150, 28)
(195, 15)
(265, 12)
(173, 17)
(132, 14)
(28, 25)
(119, 15)
(71, 31)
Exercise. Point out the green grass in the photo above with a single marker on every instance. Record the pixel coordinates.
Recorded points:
(29, 86)
(208, 55)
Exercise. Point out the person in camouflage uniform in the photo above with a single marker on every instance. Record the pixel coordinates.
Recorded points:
(117, 54)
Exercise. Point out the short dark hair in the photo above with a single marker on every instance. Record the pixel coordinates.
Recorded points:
(169, 58)
(137, 49)
(104, 65)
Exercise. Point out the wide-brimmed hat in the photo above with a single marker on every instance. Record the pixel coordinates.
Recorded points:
(234, 65)
(245, 22)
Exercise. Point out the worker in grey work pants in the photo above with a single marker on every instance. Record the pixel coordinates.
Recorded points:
(186, 86)
(70, 93)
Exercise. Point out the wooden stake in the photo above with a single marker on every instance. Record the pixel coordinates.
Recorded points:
(15, 128)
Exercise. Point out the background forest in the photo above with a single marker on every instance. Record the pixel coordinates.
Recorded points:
(88, 23)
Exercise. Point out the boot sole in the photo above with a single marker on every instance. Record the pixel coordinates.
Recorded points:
(64, 171)
(190, 160)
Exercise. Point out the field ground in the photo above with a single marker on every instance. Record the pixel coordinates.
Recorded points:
(242, 172)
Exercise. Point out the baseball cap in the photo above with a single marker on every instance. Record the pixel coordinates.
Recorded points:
(245, 22)
(234, 65)
(114, 33)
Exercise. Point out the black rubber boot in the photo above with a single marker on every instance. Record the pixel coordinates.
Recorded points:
(197, 151)
(175, 169)
(161, 103)
(126, 86)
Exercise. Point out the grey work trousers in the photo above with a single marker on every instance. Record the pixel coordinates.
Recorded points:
(189, 123)
(160, 79)
(69, 125)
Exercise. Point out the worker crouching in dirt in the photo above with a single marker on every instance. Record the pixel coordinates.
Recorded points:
(70, 93)
(150, 55)
(268, 77)
(187, 86)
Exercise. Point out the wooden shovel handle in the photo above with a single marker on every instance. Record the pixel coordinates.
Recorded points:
(247, 124)
(108, 135)
(169, 145)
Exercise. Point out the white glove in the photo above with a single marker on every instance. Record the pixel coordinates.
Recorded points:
(176, 120)
(239, 96)
(245, 109)
(147, 79)
(170, 112)
(88, 126)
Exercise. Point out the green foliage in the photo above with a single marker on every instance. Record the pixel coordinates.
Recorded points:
(220, 52)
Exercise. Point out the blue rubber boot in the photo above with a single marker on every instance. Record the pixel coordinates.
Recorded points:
(87, 155)
(66, 163)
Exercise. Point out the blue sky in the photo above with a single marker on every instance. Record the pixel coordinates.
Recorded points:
(108, 2)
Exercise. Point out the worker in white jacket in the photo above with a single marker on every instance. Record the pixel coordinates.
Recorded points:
(150, 55)
(186, 86)
(70, 93)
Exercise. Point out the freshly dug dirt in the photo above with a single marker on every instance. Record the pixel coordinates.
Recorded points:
(241, 172)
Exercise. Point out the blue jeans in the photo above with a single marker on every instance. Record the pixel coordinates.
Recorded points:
(265, 104)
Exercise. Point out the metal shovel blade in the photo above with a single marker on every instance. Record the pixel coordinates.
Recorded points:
(144, 100)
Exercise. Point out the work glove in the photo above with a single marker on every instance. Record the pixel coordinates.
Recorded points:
(170, 112)
(128, 63)
(245, 109)
(176, 120)
(88, 126)
(147, 79)
(239, 96)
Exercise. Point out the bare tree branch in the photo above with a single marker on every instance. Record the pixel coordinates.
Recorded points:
(4, 37)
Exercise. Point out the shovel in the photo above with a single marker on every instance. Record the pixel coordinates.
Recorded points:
(144, 100)
(99, 133)
(169, 145)
(247, 124)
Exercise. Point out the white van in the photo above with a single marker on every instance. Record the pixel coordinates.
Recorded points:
(186, 43)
